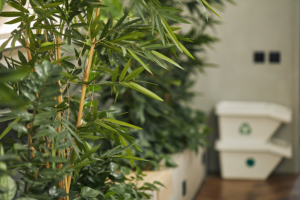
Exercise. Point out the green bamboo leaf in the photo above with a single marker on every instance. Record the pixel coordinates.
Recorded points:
(2, 2)
(142, 90)
(69, 76)
(95, 102)
(124, 51)
(108, 83)
(61, 59)
(123, 123)
(171, 34)
(4, 119)
(45, 44)
(183, 38)
(9, 128)
(95, 22)
(186, 51)
(17, 6)
(77, 34)
(87, 148)
(112, 151)
(10, 14)
(87, 154)
(94, 4)
(128, 151)
(81, 165)
(152, 22)
(160, 29)
(75, 148)
(168, 9)
(51, 5)
(27, 31)
(210, 8)
(12, 75)
(92, 137)
(14, 21)
(153, 58)
(124, 71)
(174, 18)
(158, 46)
(121, 20)
(203, 7)
(139, 60)
(4, 44)
(115, 74)
(96, 31)
(130, 157)
(106, 126)
(166, 58)
(127, 36)
(134, 73)
(77, 25)
(105, 30)
(22, 57)
(48, 27)
(73, 133)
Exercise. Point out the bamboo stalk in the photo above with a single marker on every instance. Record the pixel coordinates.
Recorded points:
(28, 50)
(83, 91)
(47, 163)
(63, 183)
(86, 77)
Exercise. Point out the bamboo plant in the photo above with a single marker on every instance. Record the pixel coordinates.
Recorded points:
(55, 126)
(170, 126)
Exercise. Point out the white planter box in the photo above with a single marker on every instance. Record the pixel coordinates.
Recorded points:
(165, 177)
(246, 160)
(251, 121)
(189, 175)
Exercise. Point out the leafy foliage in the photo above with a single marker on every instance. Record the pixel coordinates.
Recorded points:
(57, 130)
(173, 125)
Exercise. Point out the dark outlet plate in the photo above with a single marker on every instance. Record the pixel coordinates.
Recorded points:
(203, 158)
(259, 57)
(274, 57)
(183, 188)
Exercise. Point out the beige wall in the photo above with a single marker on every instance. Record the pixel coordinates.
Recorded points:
(254, 25)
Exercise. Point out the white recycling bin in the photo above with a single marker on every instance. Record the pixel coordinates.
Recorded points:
(248, 160)
(251, 121)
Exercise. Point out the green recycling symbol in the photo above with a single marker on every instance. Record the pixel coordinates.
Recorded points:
(245, 129)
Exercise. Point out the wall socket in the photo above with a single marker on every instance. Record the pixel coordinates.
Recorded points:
(274, 57)
(259, 57)
(183, 188)
(203, 158)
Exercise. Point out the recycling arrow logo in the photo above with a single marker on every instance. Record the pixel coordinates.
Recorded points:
(245, 129)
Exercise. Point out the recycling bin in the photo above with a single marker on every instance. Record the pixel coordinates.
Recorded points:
(251, 121)
(248, 160)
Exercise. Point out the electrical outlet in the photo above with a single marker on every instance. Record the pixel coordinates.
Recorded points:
(274, 57)
(259, 57)
(203, 158)
(183, 188)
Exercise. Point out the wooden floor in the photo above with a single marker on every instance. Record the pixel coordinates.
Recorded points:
(277, 187)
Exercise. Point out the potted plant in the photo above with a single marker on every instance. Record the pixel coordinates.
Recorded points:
(56, 128)
(173, 131)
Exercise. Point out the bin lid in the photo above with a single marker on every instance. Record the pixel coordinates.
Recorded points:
(275, 146)
(254, 109)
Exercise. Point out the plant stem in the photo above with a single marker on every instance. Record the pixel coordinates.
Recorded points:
(83, 91)
(86, 77)
(53, 152)
(63, 183)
